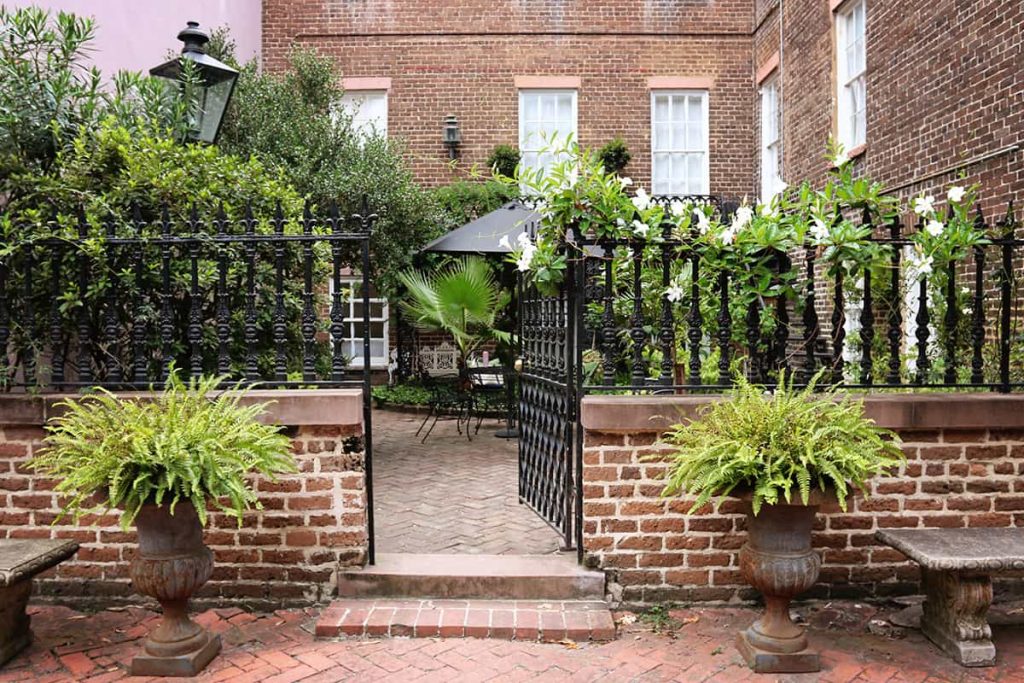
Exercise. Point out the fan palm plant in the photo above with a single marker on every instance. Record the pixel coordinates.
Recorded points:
(462, 299)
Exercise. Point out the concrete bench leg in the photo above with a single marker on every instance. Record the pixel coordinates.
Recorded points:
(954, 615)
(14, 632)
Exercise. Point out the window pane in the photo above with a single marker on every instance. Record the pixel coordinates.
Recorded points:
(661, 136)
(661, 108)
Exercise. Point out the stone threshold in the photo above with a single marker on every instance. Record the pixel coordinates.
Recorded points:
(550, 621)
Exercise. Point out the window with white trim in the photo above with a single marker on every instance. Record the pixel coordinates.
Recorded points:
(851, 68)
(369, 111)
(771, 142)
(679, 142)
(352, 337)
(546, 119)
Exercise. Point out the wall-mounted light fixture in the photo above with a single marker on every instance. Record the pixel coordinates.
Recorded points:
(452, 135)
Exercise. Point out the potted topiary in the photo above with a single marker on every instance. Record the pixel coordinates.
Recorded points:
(785, 453)
(165, 462)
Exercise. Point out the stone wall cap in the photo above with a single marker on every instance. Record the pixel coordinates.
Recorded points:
(290, 407)
(945, 410)
(981, 549)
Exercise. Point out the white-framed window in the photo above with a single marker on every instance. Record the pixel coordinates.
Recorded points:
(771, 140)
(352, 337)
(546, 119)
(368, 109)
(851, 68)
(679, 142)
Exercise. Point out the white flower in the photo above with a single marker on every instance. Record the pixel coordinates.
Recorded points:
(505, 243)
(956, 194)
(640, 229)
(625, 182)
(819, 230)
(703, 224)
(934, 228)
(924, 205)
(677, 207)
(525, 259)
(523, 240)
(965, 290)
(918, 265)
(728, 235)
(675, 292)
(642, 200)
(741, 218)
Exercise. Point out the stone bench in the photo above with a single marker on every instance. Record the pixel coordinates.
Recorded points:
(20, 560)
(956, 575)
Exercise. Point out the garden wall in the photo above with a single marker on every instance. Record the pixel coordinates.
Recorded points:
(287, 554)
(965, 468)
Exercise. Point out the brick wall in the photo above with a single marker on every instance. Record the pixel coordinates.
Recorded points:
(965, 461)
(941, 85)
(448, 57)
(287, 554)
(941, 88)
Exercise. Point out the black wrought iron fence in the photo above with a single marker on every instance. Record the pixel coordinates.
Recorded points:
(961, 328)
(272, 299)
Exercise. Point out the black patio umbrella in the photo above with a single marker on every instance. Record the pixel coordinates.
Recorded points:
(483, 235)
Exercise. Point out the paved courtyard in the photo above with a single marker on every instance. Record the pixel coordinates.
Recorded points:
(279, 648)
(450, 495)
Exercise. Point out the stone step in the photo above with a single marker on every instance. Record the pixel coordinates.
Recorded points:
(527, 620)
(466, 577)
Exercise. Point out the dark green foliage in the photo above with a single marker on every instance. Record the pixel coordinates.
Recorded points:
(409, 394)
(614, 155)
(48, 97)
(189, 443)
(503, 160)
(290, 122)
(777, 444)
(466, 200)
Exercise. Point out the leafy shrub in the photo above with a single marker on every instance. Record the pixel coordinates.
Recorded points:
(189, 443)
(503, 160)
(614, 155)
(291, 122)
(49, 96)
(776, 442)
(409, 394)
(465, 200)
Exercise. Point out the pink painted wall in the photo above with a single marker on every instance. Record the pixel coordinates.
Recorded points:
(135, 35)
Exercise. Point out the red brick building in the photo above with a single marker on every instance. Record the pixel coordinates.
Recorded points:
(919, 90)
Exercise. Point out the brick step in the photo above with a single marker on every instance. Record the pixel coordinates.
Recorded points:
(527, 620)
(466, 577)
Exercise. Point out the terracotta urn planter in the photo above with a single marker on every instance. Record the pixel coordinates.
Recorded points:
(778, 561)
(171, 564)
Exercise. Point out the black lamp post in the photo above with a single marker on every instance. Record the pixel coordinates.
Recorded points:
(452, 135)
(216, 81)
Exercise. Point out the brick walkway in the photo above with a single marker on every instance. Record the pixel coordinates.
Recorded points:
(279, 648)
(450, 495)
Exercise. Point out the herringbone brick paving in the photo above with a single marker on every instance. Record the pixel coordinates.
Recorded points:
(450, 495)
(280, 648)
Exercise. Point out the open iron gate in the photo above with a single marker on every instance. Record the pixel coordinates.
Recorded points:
(550, 435)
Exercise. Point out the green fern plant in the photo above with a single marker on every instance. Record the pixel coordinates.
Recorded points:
(775, 443)
(189, 443)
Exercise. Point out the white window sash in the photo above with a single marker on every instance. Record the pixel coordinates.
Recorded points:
(534, 148)
(682, 153)
(771, 171)
(851, 81)
(354, 102)
(352, 343)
